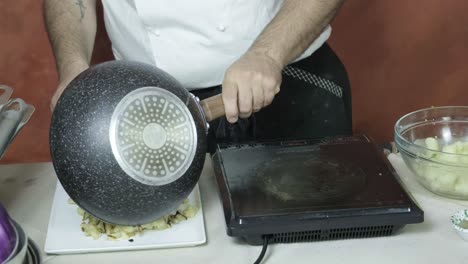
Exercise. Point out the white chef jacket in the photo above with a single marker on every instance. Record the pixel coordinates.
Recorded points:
(194, 41)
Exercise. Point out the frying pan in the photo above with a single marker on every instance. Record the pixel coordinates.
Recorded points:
(128, 142)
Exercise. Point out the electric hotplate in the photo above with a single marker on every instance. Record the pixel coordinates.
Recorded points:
(309, 190)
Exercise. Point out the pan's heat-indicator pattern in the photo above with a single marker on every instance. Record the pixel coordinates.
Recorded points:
(153, 136)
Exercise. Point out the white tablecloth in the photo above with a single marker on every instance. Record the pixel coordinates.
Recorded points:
(27, 190)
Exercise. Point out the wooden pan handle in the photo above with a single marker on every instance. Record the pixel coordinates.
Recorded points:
(213, 107)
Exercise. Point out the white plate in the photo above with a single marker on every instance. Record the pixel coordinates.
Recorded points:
(64, 235)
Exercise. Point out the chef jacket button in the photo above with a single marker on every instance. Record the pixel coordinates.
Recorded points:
(221, 28)
(157, 33)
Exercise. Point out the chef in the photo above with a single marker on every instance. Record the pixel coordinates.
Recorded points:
(268, 55)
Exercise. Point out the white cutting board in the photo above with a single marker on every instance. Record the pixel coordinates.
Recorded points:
(64, 234)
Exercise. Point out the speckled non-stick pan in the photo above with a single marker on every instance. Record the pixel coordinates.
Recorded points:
(128, 142)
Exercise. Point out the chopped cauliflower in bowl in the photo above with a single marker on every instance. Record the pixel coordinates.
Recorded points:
(434, 145)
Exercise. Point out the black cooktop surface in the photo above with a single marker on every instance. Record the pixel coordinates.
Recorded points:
(280, 183)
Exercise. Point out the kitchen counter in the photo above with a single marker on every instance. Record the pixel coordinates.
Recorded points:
(27, 191)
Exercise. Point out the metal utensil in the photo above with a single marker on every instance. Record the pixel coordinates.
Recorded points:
(13, 116)
(6, 92)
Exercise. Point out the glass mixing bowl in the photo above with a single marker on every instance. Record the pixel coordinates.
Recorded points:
(434, 145)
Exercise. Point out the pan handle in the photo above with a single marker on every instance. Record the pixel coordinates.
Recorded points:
(213, 107)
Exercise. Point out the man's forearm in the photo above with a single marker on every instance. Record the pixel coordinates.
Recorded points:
(71, 25)
(297, 24)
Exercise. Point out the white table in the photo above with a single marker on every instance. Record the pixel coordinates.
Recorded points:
(27, 190)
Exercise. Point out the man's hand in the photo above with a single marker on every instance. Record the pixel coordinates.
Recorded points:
(64, 81)
(250, 84)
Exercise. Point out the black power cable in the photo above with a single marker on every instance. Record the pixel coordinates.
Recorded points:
(266, 239)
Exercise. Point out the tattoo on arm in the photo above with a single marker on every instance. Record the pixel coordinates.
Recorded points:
(82, 7)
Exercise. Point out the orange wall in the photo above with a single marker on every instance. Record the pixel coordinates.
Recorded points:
(401, 55)
(27, 65)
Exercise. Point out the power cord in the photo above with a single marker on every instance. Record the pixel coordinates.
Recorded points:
(266, 240)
